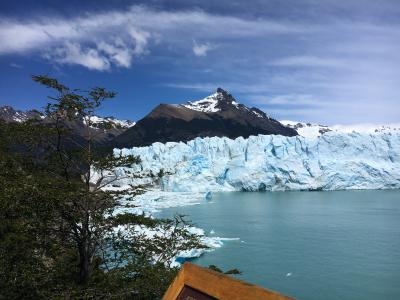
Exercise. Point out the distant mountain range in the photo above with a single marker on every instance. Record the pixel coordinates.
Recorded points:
(219, 114)
(9, 114)
(310, 130)
(104, 129)
(216, 115)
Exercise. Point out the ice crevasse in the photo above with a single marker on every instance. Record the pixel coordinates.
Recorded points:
(333, 161)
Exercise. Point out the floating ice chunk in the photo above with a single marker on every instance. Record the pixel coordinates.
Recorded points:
(229, 239)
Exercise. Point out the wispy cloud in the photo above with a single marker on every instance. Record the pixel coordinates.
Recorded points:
(202, 49)
(96, 41)
(116, 37)
(309, 61)
(118, 53)
(15, 65)
(73, 53)
(285, 100)
(205, 87)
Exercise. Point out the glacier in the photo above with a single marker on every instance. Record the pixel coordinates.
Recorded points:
(193, 170)
(314, 130)
(332, 161)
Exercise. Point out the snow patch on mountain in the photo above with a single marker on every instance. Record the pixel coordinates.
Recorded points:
(222, 98)
(236, 104)
(207, 104)
(214, 102)
(19, 117)
(97, 121)
(310, 130)
(333, 161)
(258, 114)
(367, 128)
(307, 130)
(9, 114)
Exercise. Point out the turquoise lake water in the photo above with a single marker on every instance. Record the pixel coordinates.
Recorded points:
(308, 245)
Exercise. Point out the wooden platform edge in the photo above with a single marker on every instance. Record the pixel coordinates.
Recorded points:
(218, 285)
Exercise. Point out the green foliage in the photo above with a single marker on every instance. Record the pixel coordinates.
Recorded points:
(60, 235)
(229, 272)
(233, 272)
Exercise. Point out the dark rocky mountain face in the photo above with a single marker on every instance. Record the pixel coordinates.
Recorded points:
(9, 114)
(217, 115)
(103, 130)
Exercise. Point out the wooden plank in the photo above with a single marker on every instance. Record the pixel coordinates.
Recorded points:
(176, 286)
(217, 285)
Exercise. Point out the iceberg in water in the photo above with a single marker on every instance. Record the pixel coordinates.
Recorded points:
(331, 161)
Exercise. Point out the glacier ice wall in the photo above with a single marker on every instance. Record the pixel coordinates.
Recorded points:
(270, 162)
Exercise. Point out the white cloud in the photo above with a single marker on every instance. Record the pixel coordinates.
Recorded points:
(15, 65)
(309, 61)
(16, 36)
(304, 113)
(206, 87)
(116, 37)
(96, 41)
(286, 99)
(201, 49)
(73, 53)
(141, 40)
(118, 53)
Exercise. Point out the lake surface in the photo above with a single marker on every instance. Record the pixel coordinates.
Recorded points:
(309, 245)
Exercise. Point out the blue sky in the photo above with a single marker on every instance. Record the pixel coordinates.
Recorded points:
(320, 61)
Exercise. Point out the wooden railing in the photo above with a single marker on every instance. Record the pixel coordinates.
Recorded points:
(197, 283)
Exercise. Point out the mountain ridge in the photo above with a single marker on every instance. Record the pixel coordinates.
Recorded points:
(312, 130)
(216, 115)
(210, 116)
(106, 128)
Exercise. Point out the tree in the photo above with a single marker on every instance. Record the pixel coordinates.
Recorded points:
(54, 202)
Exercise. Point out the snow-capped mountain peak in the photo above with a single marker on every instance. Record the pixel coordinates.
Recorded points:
(207, 104)
(221, 100)
(213, 102)
(98, 122)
